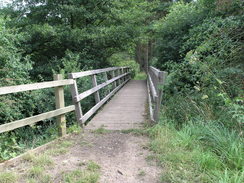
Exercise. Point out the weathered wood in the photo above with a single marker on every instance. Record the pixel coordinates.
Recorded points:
(113, 76)
(126, 110)
(97, 106)
(106, 79)
(155, 79)
(31, 120)
(88, 73)
(94, 83)
(87, 93)
(78, 110)
(59, 100)
(152, 88)
(150, 102)
(155, 71)
(35, 86)
(119, 73)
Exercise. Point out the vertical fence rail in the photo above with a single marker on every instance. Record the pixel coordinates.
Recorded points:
(59, 100)
(115, 76)
(156, 79)
(94, 83)
(74, 92)
(58, 85)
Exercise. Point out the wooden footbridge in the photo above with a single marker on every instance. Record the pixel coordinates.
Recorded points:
(126, 99)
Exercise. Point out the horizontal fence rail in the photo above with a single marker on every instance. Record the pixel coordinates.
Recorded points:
(120, 76)
(59, 113)
(155, 79)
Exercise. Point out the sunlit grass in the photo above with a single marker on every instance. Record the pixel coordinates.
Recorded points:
(140, 76)
(89, 175)
(8, 177)
(189, 154)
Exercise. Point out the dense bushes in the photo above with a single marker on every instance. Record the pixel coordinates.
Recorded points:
(201, 46)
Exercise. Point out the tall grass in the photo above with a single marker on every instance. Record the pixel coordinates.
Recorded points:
(200, 151)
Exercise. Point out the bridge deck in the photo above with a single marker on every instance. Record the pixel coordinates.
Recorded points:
(126, 110)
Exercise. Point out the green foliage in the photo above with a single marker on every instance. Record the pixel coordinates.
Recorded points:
(123, 59)
(198, 152)
(200, 44)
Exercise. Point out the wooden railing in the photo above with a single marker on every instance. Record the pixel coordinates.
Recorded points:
(120, 76)
(155, 79)
(58, 84)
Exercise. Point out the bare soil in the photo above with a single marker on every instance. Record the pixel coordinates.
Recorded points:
(121, 156)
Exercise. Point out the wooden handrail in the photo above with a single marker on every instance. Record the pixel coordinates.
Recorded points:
(122, 76)
(118, 80)
(58, 84)
(92, 72)
(35, 86)
(154, 80)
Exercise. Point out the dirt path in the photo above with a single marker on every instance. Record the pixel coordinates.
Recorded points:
(120, 156)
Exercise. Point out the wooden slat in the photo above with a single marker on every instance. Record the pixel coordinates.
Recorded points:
(78, 110)
(96, 107)
(28, 121)
(155, 71)
(35, 86)
(152, 88)
(150, 102)
(95, 89)
(94, 83)
(92, 72)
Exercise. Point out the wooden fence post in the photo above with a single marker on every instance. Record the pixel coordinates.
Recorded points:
(59, 100)
(119, 73)
(114, 83)
(94, 83)
(106, 79)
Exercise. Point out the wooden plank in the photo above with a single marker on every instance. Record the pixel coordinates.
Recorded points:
(95, 89)
(31, 120)
(35, 86)
(150, 102)
(94, 83)
(113, 76)
(92, 72)
(78, 110)
(161, 79)
(96, 107)
(152, 88)
(106, 79)
(155, 71)
(59, 101)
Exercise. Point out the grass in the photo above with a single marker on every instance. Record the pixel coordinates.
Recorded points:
(198, 152)
(134, 131)
(140, 76)
(36, 174)
(78, 176)
(8, 177)
(141, 173)
(43, 161)
(88, 175)
(92, 166)
(60, 148)
(100, 131)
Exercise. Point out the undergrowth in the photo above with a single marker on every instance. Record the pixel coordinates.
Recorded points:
(198, 152)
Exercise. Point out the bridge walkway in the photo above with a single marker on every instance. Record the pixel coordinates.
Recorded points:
(126, 110)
